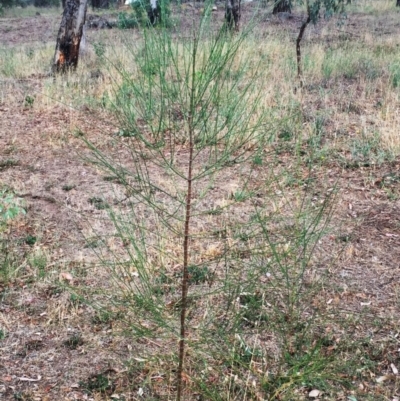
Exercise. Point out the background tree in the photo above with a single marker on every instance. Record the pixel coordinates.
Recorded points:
(281, 6)
(232, 14)
(7, 3)
(314, 8)
(69, 36)
(100, 4)
(398, 3)
(46, 3)
(154, 12)
(150, 12)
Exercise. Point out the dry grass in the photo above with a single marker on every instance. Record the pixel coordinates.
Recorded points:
(60, 313)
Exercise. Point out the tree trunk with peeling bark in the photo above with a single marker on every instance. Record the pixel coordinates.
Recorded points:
(298, 49)
(232, 14)
(69, 36)
(282, 6)
(154, 12)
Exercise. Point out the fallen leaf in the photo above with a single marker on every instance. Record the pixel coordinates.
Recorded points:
(28, 379)
(382, 379)
(66, 276)
(185, 377)
(394, 369)
(314, 393)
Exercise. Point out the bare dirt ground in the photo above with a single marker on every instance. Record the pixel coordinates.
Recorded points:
(28, 30)
(53, 343)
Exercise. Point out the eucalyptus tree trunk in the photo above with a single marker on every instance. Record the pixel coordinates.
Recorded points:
(298, 48)
(154, 12)
(232, 14)
(69, 36)
(282, 6)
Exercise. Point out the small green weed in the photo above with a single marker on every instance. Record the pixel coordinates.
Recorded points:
(75, 299)
(10, 206)
(305, 369)
(294, 181)
(99, 49)
(104, 317)
(112, 178)
(39, 262)
(198, 274)
(68, 187)
(92, 243)
(22, 396)
(241, 195)
(286, 134)
(220, 233)
(29, 100)
(395, 75)
(162, 283)
(30, 52)
(366, 150)
(368, 68)
(9, 266)
(98, 203)
(252, 309)
(74, 341)
(100, 383)
(8, 66)
(215, 211)
(258, 160)
(243, 236)
(30, 240)
(243, 354)
(8, 163)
